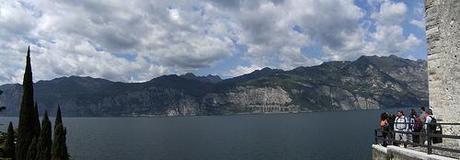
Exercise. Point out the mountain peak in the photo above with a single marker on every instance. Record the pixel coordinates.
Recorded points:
(188, 75)
(75, 78)
(266, 69)
(209, 78)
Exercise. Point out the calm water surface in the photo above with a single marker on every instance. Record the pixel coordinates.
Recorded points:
(323, 135)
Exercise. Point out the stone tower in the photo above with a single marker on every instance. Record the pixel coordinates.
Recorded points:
(443, 37)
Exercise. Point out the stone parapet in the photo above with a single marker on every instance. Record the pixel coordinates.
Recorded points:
(398, 153)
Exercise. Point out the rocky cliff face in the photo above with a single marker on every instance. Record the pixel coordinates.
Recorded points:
(367, 83)
(252, 99)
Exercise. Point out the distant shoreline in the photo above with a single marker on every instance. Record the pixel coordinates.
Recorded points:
(235, 114)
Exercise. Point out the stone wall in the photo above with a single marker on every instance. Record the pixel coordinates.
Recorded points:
(443, 37)
(379, 153)
(398, 153)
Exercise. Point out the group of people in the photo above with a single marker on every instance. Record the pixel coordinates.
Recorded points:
(404, 127)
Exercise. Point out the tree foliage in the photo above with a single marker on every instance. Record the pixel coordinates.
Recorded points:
(26, 127)
(58, 119)
(32, 151)
(2, 107)
(35, 142)
(8, 151)
(44, 140)
(36, 121)
(59, 147)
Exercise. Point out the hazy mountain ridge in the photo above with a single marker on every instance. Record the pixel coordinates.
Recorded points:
(368, 82)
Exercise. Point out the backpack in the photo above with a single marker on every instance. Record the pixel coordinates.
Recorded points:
(403, 123)
(418, 124)
(433, 126)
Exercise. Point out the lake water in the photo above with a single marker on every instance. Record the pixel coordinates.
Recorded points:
(322, 135)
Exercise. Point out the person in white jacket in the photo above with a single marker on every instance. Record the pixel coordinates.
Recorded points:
(400, 125)
(428, 120)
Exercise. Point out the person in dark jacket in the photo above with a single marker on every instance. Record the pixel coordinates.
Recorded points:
(391, 121)
(430, 118)
(385, 127)
(422, 118)
(414, 126)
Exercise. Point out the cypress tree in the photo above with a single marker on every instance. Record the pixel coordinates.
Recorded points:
(9, 144)
(2, 107)
(36, 121)
(59, 147)
(58, 117)
(26, 127)
(32, 151)
(44, 140)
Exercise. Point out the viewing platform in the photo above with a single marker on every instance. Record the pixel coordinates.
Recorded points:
(390, 152)
(443, 36)
(438, 146)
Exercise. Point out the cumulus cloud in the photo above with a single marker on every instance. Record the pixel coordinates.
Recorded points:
(275, 31)
(383, 34)
(418, 23)
(241, 70)
(390, 40)
(390, 13)
(389, 36)
(119, 41)
(139, 40)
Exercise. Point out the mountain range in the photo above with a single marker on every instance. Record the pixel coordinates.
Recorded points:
(370, 82)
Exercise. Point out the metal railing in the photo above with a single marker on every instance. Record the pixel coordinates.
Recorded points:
(427, 135)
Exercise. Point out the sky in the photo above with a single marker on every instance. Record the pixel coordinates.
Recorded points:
(137, 40)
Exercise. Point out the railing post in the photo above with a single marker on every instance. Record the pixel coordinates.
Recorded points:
(375, 137)
(428, 138)
(391, 137)
(406, 140)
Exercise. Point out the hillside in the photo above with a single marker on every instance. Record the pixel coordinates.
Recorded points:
(369, 82)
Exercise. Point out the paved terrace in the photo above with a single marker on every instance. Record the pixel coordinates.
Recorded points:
(446, 144)
(400, 153)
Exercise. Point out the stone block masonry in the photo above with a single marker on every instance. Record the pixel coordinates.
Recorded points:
(443, 37)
